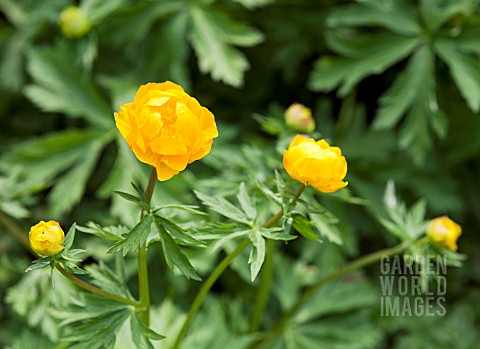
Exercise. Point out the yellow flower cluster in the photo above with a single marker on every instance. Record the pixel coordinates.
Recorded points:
(166, 128)
(46, 238)
(316, 164)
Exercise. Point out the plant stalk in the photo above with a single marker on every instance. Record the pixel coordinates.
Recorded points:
(199, 298)
(309, 291)
(88, 287)
(144, 301)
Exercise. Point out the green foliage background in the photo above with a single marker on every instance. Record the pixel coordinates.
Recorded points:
(394, 83)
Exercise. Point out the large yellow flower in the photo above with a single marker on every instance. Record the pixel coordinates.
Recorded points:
(166, 128)
(46, 238)
(445, 232)
(316, 164)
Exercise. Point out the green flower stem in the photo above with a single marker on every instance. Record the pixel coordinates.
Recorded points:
(361, 262)
(197, 302)
(267, 272)
(88, 287)
(144, 302)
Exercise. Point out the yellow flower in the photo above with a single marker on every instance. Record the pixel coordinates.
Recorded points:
(316, 164)
(74, 22)
(444, 231)
(46, 238)
(166, 128)
(299, 118)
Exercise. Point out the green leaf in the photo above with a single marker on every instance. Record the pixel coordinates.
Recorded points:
(37, 264)
(395, 15)
(97, 10)
(68, 242)
(101, 275)
(224, 207)
(112, 233)
(304, 227)
(465, 70)
(212, 36)
(257, 254)
(139, 201)
(246, 202)
(135, 238)
(72, 268)
(69, 189)
(187, 208)
(61, 87)
(253, 4)
(173, 254)
(400, 96)
(178, 233)
(380, 54)
(141, 335)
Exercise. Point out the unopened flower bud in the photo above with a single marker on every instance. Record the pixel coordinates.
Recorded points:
(46, 238)
(74, 22)
(299, 118)
(445, 232)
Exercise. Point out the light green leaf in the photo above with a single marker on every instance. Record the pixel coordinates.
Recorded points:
(135, 237)
(68, 242)
(178, 233)
(246, 202)
(173, 254)
(224, 207)
(253, 4)
(61, 87)
(304, 227)
(212, 36)
(257, 254)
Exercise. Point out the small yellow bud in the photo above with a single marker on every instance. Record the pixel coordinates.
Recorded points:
(74, 22)
(299, 118)
(444, 231)
(46, 238)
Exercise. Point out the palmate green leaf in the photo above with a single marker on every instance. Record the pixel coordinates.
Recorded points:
(224, 207)
(213, 36)
(436, 13)
(103, 276)
(173, 254)
(396, 15)
(257, 254)
(61, 87)
(135, 237)
(399, 97)
(465, 70)
(386, 50)
(30, 339)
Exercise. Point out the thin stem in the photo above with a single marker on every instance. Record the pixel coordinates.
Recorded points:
(197, 302)
(308, 292)
(264, 289)
(144, 302)
(15, 230)
(267, 271)
(88, 287)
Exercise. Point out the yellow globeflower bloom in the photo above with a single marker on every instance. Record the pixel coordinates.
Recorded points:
(444, 231)
(299, 118)
(46, 238)
(74, 22)
(316, 164)
(166, 128)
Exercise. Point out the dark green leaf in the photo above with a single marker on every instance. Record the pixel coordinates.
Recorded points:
(135, 238)
(178, 233)
(224, 207)
(304, 227)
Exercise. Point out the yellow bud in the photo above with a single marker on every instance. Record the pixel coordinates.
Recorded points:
(445, 232)
(299, 118)
(316, 164)
(74, 22)
(46, 238)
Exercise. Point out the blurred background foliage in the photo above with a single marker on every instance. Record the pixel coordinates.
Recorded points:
(394, 83)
